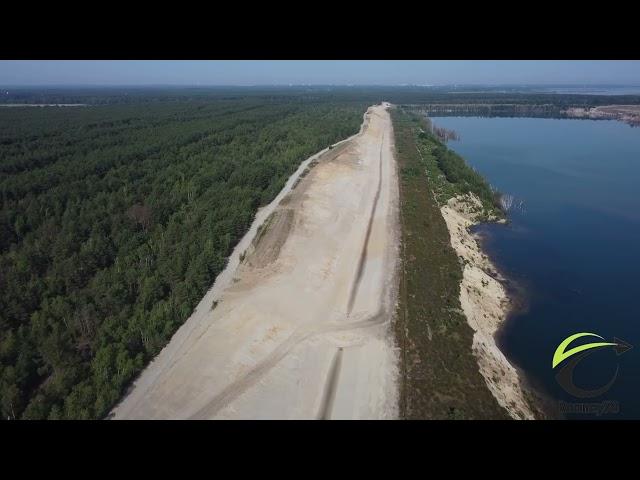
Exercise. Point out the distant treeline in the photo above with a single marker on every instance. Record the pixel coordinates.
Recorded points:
(370, 94)
(114, 222)
(488, 110)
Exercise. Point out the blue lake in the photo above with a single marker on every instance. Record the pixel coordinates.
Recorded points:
(573, 247)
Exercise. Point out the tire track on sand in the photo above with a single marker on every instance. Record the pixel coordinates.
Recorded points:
(238, 387)
(332, 383)
(364, 251)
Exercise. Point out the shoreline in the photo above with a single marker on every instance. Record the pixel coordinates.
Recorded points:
(487, 306)
(541, 401)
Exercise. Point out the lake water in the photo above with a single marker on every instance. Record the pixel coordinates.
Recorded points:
(574, 247)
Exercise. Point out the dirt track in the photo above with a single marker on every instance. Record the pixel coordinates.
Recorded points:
(301, 328)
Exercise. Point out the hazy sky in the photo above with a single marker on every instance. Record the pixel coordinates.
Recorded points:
(267, 72)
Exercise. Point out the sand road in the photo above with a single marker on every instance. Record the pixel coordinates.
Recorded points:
(302, 325)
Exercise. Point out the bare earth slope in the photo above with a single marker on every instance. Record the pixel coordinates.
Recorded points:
(485, 304)
(302, 326)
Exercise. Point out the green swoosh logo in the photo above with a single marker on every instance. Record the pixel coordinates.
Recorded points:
(560, 353)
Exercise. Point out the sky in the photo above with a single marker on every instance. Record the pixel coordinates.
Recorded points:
(317, 72)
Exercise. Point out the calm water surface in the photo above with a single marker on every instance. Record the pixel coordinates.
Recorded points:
(574, 245)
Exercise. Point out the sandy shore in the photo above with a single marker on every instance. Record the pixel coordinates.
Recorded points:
(300, 327)
(486, 305)
(629, 114)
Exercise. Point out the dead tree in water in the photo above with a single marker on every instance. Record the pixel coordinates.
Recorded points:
(509, 202)
(446, 135)
(443, 134)
(506, 202)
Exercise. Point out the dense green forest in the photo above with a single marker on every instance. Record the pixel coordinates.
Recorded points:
(116, 219)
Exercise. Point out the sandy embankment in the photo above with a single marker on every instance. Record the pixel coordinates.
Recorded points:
(301, 327)
(486, 305)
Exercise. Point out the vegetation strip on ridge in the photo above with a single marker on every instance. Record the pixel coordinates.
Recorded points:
(440, 375)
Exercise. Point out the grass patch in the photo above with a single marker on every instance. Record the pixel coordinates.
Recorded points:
(440, 376)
